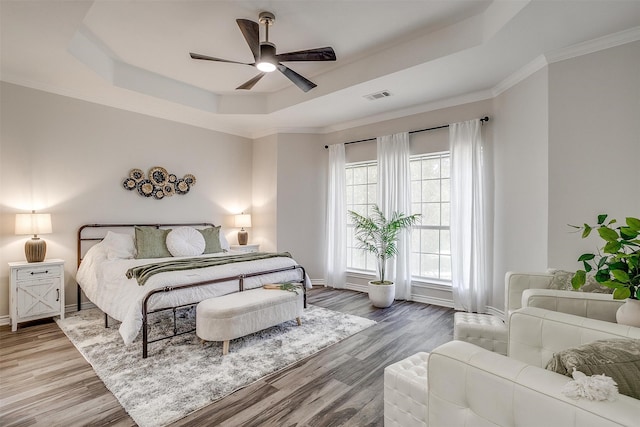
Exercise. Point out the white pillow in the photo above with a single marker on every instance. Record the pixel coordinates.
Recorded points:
(185, 241)
(119, 246)
(224, 243)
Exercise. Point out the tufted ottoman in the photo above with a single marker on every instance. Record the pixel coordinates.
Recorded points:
(483, 330)
(405, 392)
(242, 313)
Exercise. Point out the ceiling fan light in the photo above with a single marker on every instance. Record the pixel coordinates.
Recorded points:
(265, 66)
(267, 62)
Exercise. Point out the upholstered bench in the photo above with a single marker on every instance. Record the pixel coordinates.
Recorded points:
(235, 315)
(405, 392)
(483, 330)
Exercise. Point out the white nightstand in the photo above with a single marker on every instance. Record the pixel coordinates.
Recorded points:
(245, 248)
(36, 290)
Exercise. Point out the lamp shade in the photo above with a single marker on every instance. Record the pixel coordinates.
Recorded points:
(33, 223)
(243, 220)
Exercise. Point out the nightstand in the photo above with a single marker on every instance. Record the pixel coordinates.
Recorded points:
(245, 248)
(36, 290)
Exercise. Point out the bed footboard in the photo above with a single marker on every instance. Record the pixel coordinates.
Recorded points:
(240, 278)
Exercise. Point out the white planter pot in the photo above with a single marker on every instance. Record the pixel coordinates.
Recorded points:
(382, 296)
(629, 313)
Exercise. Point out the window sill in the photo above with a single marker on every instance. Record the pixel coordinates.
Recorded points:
(443, 285)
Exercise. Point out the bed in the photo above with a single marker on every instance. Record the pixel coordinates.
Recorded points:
(115, 278)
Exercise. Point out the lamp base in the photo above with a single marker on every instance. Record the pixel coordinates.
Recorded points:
(243, 237)
(35, 250)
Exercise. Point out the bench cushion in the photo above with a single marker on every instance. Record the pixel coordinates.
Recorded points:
(235, 315)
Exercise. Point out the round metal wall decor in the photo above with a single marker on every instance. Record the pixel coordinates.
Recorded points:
(159, 183)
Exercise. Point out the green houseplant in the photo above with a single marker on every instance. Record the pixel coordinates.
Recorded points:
(379, 236)
(617, 266)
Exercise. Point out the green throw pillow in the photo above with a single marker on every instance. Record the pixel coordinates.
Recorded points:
(151, 242)
(211, 239)
(618, 358)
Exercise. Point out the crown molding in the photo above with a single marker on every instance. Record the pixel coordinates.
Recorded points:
(606, 42)
(537, 64)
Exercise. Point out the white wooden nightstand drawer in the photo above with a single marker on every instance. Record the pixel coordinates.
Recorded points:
(39, 272)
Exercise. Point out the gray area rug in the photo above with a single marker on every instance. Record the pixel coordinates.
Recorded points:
(181, 375)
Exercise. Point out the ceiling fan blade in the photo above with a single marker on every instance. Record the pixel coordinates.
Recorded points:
(211, 58)
(249, 84)
(319, 54)
(251, 32)
(297, 79)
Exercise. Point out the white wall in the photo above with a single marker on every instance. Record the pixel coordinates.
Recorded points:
(69, 158)
(289, 182)
(265, 193)
(594, 146)
(302, 175)
(520, 153)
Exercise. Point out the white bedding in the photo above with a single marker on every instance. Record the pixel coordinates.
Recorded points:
(104, 282)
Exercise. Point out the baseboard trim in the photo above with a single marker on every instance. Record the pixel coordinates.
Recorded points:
(432, 300)
(357, 287)
(4, 320)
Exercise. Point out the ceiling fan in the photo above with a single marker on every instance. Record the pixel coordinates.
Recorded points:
(266, 59)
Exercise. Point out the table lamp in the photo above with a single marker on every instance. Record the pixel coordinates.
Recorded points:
(35, 249)
(243, 220)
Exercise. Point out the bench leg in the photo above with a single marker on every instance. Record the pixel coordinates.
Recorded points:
(225, 348)
(299, 321)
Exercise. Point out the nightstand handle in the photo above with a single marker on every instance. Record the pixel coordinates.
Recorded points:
(39, 272)
(58, 297)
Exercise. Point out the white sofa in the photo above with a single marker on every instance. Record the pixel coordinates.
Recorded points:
(530, 290)
(461, 384)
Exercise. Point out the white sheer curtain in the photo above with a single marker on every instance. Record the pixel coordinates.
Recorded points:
(394, 194)
(336, 217)
(471, 261)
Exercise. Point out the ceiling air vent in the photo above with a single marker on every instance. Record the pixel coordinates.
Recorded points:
(378, 95)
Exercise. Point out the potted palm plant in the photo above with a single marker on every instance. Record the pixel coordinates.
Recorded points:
(617, 267)
(379, 236)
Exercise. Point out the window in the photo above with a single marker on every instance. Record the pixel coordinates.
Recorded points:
(430, 240)
(430, 187)
(361, 183)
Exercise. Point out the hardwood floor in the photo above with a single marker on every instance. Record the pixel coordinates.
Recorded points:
(45, 381)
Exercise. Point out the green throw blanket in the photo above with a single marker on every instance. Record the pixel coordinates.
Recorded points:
(142, 273)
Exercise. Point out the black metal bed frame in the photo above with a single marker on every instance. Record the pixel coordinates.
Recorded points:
(145, 311)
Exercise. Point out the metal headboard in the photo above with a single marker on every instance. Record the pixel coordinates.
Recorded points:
(96, 232)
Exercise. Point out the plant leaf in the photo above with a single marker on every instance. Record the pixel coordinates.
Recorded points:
(603, 276)
(578, 279)
(602, 262)
(587, 266)
(586, 257)
(608, 234)
(633, 223)
(618, 266)
(601, 218)
(620, 276)
(628, 233)
(612, 247)
(621, 293)
(587, 231)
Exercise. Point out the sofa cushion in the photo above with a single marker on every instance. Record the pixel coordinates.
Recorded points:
(618, 358)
